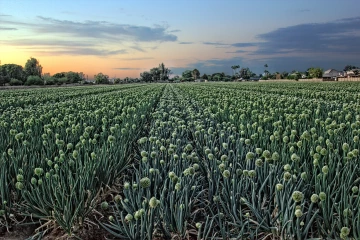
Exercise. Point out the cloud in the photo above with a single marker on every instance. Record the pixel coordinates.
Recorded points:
(186, 42)
(246, 44)
(48, 42)
(138, 48)
(7, 29)
(96, 30)
(103, 29)
(83, 51)
(215, 44)
(136, 59)
(174, 31)
(238, 51)
(336, 37)
(128, 68)
(210, 66)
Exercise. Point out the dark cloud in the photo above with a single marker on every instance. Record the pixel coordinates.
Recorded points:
(128, 68)
(103, 29)
(138, 48)
(48, 42)
(7, 29)
(136, 59)
(238, 51)
(337, 37)
(215, 44)
(96, 30)
(246, 44)
(210, 66)
(83, 51)
(185, 42)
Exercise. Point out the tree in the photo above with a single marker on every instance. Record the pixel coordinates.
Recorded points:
(155, 74)
(186, 74)
(205, 76)
(349, 67)
(117, 80)
(73, 77)
(101, 78)
(34, 80)
(284, 74)
(59, 75)
(315, 72)
(234, 67)
(13, 71)
(195, 74)
(146, 76)
(266, 72)
(33, 67)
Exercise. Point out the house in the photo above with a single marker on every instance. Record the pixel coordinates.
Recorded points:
(331, 74)
(350, 73)
(200, 80)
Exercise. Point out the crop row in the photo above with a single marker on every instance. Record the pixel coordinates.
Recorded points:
(56, 158)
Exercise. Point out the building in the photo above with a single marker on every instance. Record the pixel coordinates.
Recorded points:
(332, 75)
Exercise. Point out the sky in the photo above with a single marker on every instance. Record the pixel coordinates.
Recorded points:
(122, 38)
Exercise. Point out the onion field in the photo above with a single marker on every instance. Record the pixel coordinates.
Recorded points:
(182, 161)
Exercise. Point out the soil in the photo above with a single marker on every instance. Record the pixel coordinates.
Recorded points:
(25, 232)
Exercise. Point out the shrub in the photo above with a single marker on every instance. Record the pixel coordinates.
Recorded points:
(15, 82)
(63, 80)
(50, 80)
(34, 80)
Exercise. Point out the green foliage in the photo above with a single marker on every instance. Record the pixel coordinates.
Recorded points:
(101, 78)
(34, 80)
(10, 71)
(33, 67)
(117, 80)
(315, 72)
(15, 82)
(146, 76)
(48, 80)
(195, 74)
(187, 74)
(350, 67)
(205, 76)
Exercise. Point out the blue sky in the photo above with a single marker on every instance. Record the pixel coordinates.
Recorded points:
(123, 38)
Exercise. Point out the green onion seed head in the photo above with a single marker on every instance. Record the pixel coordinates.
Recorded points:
(297, 196)
(226, 174)
(145, 182)
(153, 203)
(104, 205)
(322, 196)
(298, 213)
(314, 198)
(279, 187)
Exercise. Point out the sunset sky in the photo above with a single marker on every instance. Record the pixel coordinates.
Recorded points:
(125, 37)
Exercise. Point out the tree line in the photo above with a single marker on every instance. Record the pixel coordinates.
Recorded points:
(31, 74)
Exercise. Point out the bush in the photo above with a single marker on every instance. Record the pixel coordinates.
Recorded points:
(15, 82)
(50, 80)
(63, 80)
(34, 80)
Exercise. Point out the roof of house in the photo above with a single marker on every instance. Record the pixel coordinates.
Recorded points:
(330, 70)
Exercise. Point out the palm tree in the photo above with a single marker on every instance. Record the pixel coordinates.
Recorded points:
(234, 69)
(266, 71)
